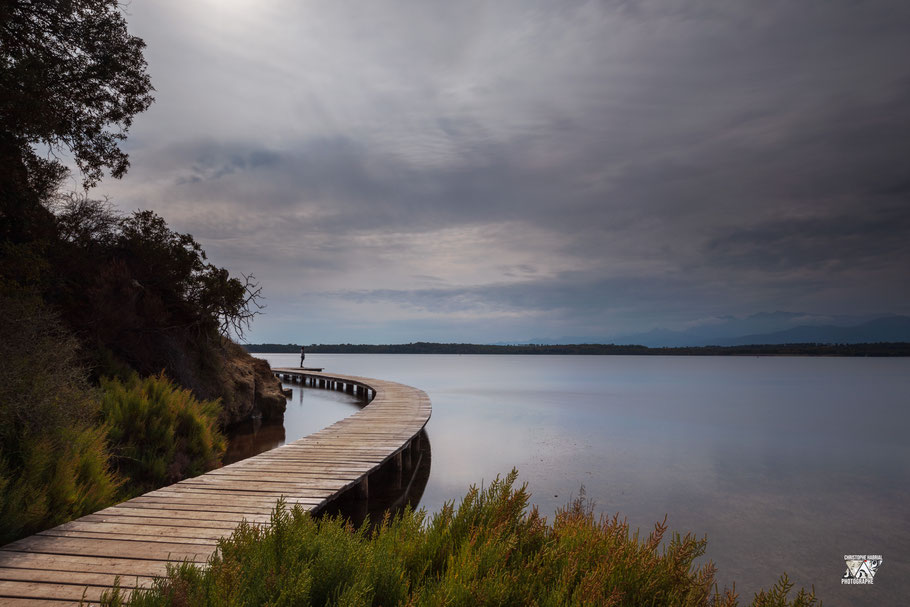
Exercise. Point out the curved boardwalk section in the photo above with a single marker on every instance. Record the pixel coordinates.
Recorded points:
(135, 539)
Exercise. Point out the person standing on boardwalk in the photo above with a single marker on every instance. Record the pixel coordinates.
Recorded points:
(302, 356)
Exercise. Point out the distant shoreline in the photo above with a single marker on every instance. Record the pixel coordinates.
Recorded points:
(883, 349)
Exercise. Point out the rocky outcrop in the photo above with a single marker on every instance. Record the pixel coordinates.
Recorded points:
(268, 398)
(249, 389)
(211, 366)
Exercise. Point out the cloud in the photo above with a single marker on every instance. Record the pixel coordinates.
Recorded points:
(831, 243)
(645, 162)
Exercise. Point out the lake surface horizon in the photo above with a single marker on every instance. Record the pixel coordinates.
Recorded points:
(785, 463)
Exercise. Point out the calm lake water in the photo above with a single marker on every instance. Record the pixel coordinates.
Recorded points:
(786, 464)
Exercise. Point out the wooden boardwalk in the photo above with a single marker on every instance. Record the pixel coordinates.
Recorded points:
(135, 539)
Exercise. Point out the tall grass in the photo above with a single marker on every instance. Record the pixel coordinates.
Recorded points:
(159, 433)
(490, 550)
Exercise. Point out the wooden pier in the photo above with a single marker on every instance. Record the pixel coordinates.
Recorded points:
(135, 539)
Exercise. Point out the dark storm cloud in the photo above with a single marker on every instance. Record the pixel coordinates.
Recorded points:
(670, 159)
(832, 243)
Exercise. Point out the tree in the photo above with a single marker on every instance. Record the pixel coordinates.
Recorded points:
(123, 253)
(71, 79)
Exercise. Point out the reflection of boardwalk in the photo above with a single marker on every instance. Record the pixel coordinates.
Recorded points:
(184, 521)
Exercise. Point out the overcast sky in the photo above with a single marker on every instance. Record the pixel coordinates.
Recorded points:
(501, 171)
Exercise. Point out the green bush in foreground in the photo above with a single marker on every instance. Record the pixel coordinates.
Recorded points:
(491, 550)
(159, 433)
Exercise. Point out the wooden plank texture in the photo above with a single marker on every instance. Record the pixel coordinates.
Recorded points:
(136, 539)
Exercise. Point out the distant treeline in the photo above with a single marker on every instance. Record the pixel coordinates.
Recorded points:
(807, 349)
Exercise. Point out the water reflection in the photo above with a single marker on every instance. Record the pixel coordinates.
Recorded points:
(390, 490)
(250, 438)
(308, 410)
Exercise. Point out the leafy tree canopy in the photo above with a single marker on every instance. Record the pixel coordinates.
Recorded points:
(71, 78)
(140, 251)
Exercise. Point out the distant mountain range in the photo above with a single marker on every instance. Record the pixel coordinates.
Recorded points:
(890, 329)
(765, 328)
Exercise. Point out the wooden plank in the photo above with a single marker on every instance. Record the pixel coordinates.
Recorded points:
(230, 498)
(239, 496)
(279, 474)
(161, 551)
(155, 524)
(161, 511)
(303, 486)
(181, 535)
(22, 602)
(80, 563)
(74, 577)
(182, 506)
(46, 590)
(283, 470)
(186, 509)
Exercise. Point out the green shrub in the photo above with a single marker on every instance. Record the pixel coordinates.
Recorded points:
(63, 474)
(59, 436)
(159, 433)
(53, 460)
(490, 550)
